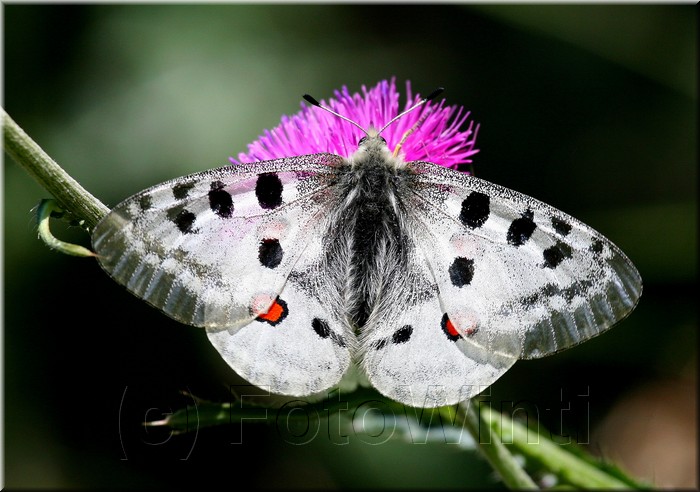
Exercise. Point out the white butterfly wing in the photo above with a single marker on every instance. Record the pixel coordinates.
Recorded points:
(517, 276)
(492, 276)
(410, 352)
(206, 248)
(302, 345)
(221, 249)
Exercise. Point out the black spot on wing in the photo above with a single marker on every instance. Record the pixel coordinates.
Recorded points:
(323, 330)
(554, 255)
(521, 229)
(181, 190)
(562, 227)
(270, 253)
(183, 219)
(461, 271)
(145, 202)
(475, 210)
(268, 189)
(597, 246)
(402, 335)
(220, 200)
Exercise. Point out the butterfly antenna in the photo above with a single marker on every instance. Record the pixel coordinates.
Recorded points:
(314, 102)
(427, 98)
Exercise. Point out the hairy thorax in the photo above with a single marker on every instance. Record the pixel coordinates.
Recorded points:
(368, 246)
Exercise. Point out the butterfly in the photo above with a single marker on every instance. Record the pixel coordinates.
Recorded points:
(427, 282)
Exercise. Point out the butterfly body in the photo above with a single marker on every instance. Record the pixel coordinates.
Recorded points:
(431, 282)
(367, 245)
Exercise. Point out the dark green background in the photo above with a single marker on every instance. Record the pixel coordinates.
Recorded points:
(592, 109)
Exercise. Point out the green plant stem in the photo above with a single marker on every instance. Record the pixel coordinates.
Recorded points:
(66, 190)
(567, 466)
(495, 452)
(497, 437)
(48, 208)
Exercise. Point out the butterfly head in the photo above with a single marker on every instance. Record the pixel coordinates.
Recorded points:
(372, 140)
(373, 148)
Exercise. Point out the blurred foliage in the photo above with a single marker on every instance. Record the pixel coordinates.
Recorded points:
(591, 108)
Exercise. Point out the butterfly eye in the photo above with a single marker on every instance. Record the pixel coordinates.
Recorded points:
(364, 140)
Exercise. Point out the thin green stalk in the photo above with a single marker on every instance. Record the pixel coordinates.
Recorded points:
(567, 466)
(496, 437)
(495, 452)
(66, 190)
(48, 208)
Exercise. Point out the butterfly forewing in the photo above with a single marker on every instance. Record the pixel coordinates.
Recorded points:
(520, 277)
(207, 248)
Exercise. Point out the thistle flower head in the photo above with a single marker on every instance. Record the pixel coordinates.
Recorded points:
(439, 137)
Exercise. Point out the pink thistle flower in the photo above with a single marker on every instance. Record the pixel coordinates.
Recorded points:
(438, 138)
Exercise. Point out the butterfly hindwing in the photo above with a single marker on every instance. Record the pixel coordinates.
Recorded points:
(300, 346)
(412, 353)
(521, 277)
(207, 247)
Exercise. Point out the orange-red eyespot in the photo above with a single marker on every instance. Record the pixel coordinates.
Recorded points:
(277, 312)
(451, 331)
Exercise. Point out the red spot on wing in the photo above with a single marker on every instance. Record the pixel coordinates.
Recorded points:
(452, 333)
(274, 314)
(450, 328)
(277, 312)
